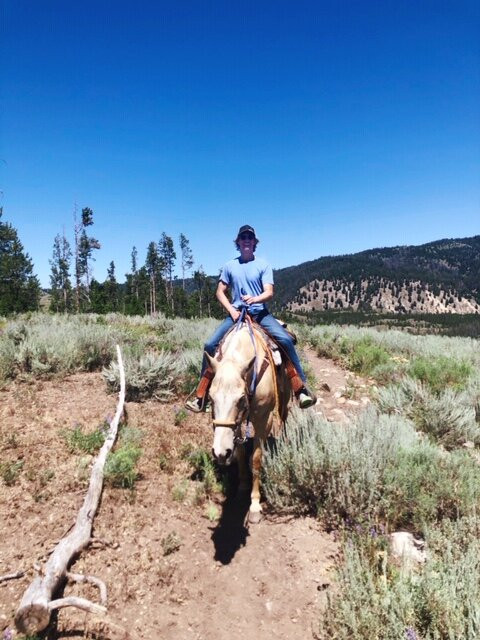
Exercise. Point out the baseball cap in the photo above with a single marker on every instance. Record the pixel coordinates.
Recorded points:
(246, 229)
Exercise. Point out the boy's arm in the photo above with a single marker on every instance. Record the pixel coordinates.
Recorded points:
(221, 294)
(263, 297)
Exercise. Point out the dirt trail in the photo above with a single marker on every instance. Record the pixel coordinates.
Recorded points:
(225, 580)
(339, 392)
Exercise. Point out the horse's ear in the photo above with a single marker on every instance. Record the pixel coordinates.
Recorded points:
(211, 361)
(247, 367)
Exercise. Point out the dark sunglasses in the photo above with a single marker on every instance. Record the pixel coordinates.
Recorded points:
(246, 236)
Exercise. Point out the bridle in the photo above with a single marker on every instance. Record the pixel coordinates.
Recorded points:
(236, 425)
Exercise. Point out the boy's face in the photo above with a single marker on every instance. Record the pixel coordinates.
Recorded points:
(246, 242)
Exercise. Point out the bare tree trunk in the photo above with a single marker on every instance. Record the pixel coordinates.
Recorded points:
(33, 614)
(76, 229)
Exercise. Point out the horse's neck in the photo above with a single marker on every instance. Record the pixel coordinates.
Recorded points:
(239, 345)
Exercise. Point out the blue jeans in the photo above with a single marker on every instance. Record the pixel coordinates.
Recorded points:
(273, 328)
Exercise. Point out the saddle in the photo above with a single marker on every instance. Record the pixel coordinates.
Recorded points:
(274, 353)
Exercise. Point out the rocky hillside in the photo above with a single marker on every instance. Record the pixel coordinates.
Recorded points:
(437, 277)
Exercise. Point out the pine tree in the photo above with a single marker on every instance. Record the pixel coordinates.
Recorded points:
(199, 278)
(61, 287)
(134, 272)
(98, 298)
(187, 257)
(143, 290)
(154, 267)
(181, 302)
(134, 303)
(19, 288)
(168, 257)
(111, 289)
(84, 246)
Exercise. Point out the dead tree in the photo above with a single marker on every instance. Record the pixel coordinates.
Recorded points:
(33, 614)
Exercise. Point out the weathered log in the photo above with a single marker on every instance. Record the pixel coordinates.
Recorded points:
(12, 576)
(33, 614)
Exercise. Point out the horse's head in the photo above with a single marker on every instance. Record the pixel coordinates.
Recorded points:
(229, 396)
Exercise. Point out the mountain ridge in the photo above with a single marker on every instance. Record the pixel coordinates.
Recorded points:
(441, 276)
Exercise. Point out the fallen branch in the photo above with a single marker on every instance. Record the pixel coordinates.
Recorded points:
(12, 576)
(33, 614)
(79, 577)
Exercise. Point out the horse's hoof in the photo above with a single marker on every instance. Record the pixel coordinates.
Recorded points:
(254, 517)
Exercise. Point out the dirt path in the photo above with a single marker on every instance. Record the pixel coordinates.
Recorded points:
(339, 392)
(225, 580)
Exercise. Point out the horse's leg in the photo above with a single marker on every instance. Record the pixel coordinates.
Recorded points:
(285, 394)
(243, 477)
(255, 513)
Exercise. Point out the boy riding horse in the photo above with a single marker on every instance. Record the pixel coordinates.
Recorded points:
(250, 281)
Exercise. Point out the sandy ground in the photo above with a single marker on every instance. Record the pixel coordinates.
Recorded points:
(225, 580)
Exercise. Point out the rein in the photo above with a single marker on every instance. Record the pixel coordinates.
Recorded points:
(250, 391)
(238, 439)
(244, 317)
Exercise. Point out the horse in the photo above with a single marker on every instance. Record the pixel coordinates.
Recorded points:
(246, 357)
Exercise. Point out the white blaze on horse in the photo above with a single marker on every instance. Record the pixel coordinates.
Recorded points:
(246, 357)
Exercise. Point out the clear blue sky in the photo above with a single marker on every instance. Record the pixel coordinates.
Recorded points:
(331, 127)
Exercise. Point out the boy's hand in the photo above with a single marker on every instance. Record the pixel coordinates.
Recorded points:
(235, 314)
(248, 299)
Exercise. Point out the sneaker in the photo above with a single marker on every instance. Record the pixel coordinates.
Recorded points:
(306, 399)
(197, 405)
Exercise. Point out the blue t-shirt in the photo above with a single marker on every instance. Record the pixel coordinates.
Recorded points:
(245, 278)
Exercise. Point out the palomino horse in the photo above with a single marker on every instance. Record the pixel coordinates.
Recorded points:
(246, 357)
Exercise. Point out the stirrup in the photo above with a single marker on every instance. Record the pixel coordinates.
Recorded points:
(198, 405)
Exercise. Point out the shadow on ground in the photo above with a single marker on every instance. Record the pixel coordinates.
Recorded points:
(231, 534)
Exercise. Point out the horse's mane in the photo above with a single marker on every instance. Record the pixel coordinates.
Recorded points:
(238, 345)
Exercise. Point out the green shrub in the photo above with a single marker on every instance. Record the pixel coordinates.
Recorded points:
(449, 417)
(179, 334)
(10, 471)
(120, 467)
(372, 470)
(360, 353)
(91, 442)
(46, 345)
(333, 338)
(180, 491)
(424, 485)
(7, 358)
(471, 394)
(440, 372)
(204, 470)
(438, 602)
(335, 472)
(171, 543)
(148, 376)
(181, 416)
(94, 349)
(189, 366)
(365, 356)
(362, 606)
(388, 372)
